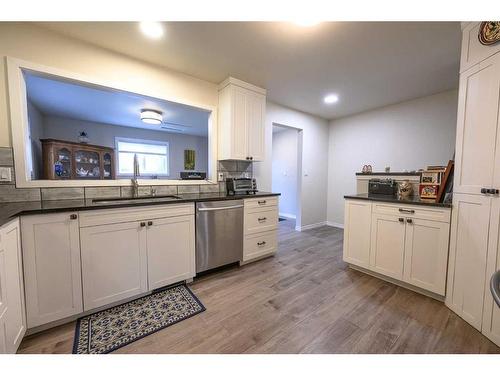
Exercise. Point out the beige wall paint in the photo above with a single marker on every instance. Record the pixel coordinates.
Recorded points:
(32, 43)
(313, 176)
(408, 135)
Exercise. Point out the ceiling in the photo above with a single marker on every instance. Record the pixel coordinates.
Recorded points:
(97, 104)
(368, 64)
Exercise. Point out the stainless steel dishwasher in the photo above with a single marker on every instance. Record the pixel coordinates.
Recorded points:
(219, 233)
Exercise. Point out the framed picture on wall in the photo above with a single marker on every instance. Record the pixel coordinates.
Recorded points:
(189, 160)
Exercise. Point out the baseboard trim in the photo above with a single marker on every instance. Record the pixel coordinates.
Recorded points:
(334, 224)
(287, 216)
(400, 283)
(310, 226)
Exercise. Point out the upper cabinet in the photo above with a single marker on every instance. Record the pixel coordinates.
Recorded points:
(473, 51)
(478, 127)
(242, 109)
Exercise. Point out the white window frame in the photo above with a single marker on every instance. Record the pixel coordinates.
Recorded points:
(19, 125)
(144, 142)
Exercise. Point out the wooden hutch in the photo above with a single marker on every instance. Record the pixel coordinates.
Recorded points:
(77, 161)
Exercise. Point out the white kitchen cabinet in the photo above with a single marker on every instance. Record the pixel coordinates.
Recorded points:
(52, 268)
(474, 228)
(357, 232)
(473, 51)
(170, 250)
(114, 263)
(477, 127)
(387, 245)
(408, 243)
(256, 121)
(491, 313)
(467, 261)
(426, 254)
(260, 228)
(12, 307)
(241, 121)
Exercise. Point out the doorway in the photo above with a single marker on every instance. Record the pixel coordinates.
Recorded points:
(286, 171)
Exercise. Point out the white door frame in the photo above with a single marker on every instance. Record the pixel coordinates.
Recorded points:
(298, 203)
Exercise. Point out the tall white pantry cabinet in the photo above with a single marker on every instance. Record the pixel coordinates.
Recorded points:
(475, 228)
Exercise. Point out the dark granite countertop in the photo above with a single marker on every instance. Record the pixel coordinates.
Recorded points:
(389, 174)
(10, 210)
(394, 199)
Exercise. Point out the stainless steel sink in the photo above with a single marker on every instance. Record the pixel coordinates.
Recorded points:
(145, 199)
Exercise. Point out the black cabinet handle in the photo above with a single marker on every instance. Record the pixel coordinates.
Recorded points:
(406, 211)
(261, 202)
(409, 221)
(150, 223)
(73, 216)
(489, 191)
(143, 224)
(262, 218)
(261, 243)
(251, 157)
(401, 220)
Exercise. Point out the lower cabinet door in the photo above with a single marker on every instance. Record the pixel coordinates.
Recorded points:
(467, 261)
(15, 315)
(52, 268)
(358, 217)
(113, 263)
(387, 245)
(170, 250)
(491, 314)
(426, 254)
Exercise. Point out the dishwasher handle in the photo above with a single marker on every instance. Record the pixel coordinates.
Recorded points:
(218, 208)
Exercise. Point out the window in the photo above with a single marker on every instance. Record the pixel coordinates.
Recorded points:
(152, 156)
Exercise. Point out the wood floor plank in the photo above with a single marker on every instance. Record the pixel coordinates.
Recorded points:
(305, 299)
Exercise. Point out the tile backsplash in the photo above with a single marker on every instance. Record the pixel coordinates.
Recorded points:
(9, 192)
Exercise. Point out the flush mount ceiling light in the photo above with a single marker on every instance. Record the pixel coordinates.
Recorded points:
(150, 116)
(153, 30)
(331, 98)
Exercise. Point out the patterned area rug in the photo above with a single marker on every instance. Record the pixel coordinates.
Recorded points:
(108, 330)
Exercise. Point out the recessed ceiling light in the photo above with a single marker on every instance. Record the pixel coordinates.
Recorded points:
(331, 98)
(152, 29)
(306, 23)
(150, 116)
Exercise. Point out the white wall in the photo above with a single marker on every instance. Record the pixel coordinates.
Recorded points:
(104, 135)
(408, 135)
(314, 166)
(35, 119)
(284, 170)
(35, 44)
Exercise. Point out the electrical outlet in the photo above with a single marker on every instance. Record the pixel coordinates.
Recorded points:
(220, 177)
(5, 174)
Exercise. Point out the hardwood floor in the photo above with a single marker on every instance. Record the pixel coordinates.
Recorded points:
(303, 300)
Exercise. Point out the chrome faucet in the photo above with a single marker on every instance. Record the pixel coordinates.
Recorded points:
(135, 184)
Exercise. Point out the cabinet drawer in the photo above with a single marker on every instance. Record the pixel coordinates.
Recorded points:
(123, 215)
(258, 245)
(420, 212)
(261, 220)
(261, 202)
